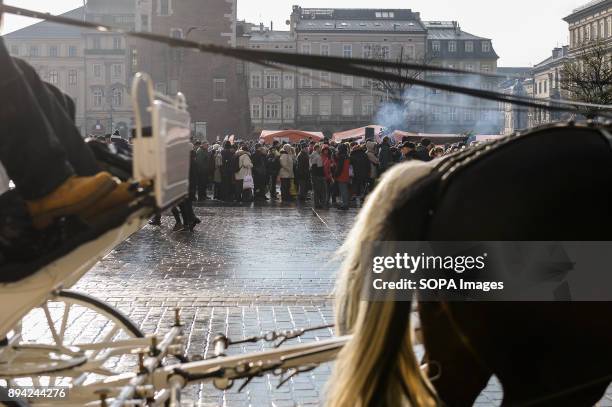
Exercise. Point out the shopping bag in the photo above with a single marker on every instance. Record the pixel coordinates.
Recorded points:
(248, 182)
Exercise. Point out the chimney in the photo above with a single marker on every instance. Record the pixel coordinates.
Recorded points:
(556, 53)
(271, 25)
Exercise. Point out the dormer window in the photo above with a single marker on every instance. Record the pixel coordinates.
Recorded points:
(486, 46)
(385, 14)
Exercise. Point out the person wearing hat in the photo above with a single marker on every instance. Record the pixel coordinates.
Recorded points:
(408, 150)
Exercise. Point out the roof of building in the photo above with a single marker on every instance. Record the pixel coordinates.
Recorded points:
(586, 8)
(270, 36)
(448, 30)
(46, 29)
(558, 55)
(358, 20)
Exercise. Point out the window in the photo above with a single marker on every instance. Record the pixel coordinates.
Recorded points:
(436, 113)
(469, 115)
(72, 77)
(367, 105)
(435, 46)
(347, 51)
(272, 111)
(325, 49)
(347, 106)
(347, 81)
(97, 70)
(33, 51)
(367, 51)
(306, 49)
(385, 52)
(174, 86)
(272, 81)
(219, 90)
(469, 46)
(255, 111)
(117, 43)
(116, 70)
(117, 99)
(545, 86)
(486, 46)
(469, 67)
(452, 46)
(53, 51)
(98, 95)
(15, 50)
(485, 68)
(325, 105)
(288, 109)
(97, 43)
(256, 81)
(288, 81)
(176, 53)
(452, 114)
(160, 87)
(144, 21)
(163, 8)
(53, 78)
(307, 79)
(306, 105)
(325, 80)
(72, 51)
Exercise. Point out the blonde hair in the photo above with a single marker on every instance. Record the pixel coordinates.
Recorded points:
(378, 365)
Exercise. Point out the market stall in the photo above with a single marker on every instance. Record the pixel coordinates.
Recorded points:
(289, 136)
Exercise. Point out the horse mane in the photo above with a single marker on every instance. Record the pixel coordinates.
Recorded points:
(378, 365)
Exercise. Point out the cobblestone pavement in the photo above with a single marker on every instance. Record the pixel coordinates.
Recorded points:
(245, 270)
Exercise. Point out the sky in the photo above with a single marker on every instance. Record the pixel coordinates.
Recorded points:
(524, 32)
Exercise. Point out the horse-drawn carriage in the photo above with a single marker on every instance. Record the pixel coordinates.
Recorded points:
(118, 365)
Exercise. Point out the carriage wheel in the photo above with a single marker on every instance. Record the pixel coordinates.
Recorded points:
(67, 341)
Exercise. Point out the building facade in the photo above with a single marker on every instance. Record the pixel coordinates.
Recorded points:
(591, 22)
(333, 102)
(450, 47)
(546, 77)
(215, 86)
(57, 53)
(108, 69)
(272, 92)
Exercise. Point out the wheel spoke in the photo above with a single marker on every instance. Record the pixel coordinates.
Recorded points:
(64, 321)
(51, 324)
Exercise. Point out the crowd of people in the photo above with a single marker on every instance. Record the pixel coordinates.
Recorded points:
(331, 174)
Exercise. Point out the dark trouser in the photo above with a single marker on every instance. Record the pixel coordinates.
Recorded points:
(359, 187)
(202, 186)
(217, 190)
(238, 184)
(273, 179)
(186, 208)
(286, 189)
(303, 185)
(319, 188)
(344, 193)
(227, 187)
(332, 188)
(39, 145)
(260, 186)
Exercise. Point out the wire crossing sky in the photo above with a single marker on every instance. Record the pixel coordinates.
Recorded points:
(523, 31)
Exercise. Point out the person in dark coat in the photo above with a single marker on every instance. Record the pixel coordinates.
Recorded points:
(385, 158)
(273, 169)
(408, 150)
(302, 175)
(203, 161)
(259, 172)
(193, 171)
(228, 161)
(422, 152)
(361, 170)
